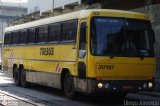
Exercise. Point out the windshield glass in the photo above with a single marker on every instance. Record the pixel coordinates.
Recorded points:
(120, 37)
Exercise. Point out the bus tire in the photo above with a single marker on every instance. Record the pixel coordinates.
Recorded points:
(23, 78)
(68, 86)
(17, 78)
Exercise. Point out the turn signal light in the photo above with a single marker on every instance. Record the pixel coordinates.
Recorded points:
(150, 78)
(98, 78)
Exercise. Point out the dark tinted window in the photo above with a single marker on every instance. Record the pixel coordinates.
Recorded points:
(54, 33)
(42, 34)
(31, 35)
(15, 38)
(107, 36)
(23, 37)
(7, 38)
(120, 37)
(82, 43)
(69, 30)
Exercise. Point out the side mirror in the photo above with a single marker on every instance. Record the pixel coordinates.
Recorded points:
(82, 53)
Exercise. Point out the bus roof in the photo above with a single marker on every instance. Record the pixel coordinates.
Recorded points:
(76, 15)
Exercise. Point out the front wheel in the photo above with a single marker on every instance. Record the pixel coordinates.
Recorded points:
(16, 76)
(69, 86)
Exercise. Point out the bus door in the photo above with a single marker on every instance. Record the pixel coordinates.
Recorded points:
(82, 52)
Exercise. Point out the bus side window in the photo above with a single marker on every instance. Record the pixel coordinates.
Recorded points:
(7, 38)
(54, 33)
(31, 36)
(69, 31)
(42, 34)
(82, 41)
(23, 37)
(15, 37)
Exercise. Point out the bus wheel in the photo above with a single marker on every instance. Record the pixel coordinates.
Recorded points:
(68, 86)
(23, 78)
(17, 79)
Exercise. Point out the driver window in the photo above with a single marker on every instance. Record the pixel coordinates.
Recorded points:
(82, 41)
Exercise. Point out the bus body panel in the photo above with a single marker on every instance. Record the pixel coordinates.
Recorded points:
(121, 67)
(42, 66)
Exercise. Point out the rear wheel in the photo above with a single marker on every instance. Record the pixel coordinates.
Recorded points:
(16, 77)
(23, 78)
(68, 86)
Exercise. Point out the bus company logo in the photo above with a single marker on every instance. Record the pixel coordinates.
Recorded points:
(47, 51)
(12, 56)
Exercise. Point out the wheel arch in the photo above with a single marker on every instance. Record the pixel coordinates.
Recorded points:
(63, 73)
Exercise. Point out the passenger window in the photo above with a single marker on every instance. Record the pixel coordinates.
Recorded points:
(54, 33)
(31, 36)
(42, 34)
(23, 37)
(15, 38)
(7, 38)
(69, 30)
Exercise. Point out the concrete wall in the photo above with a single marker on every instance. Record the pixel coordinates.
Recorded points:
(48, 5)
(22, 4)
(34, 5)
(13, 11)
(45, 5)
(59, 3)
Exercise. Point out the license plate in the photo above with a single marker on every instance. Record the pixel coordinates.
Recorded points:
(127, 87)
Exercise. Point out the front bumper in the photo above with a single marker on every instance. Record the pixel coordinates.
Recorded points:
(120, 86)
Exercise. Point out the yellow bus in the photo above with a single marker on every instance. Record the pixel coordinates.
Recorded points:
(88, 51)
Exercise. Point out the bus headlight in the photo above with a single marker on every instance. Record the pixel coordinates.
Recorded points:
(100, 85)
(150, 84)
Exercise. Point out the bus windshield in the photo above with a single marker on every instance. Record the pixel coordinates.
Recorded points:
(121, 37)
